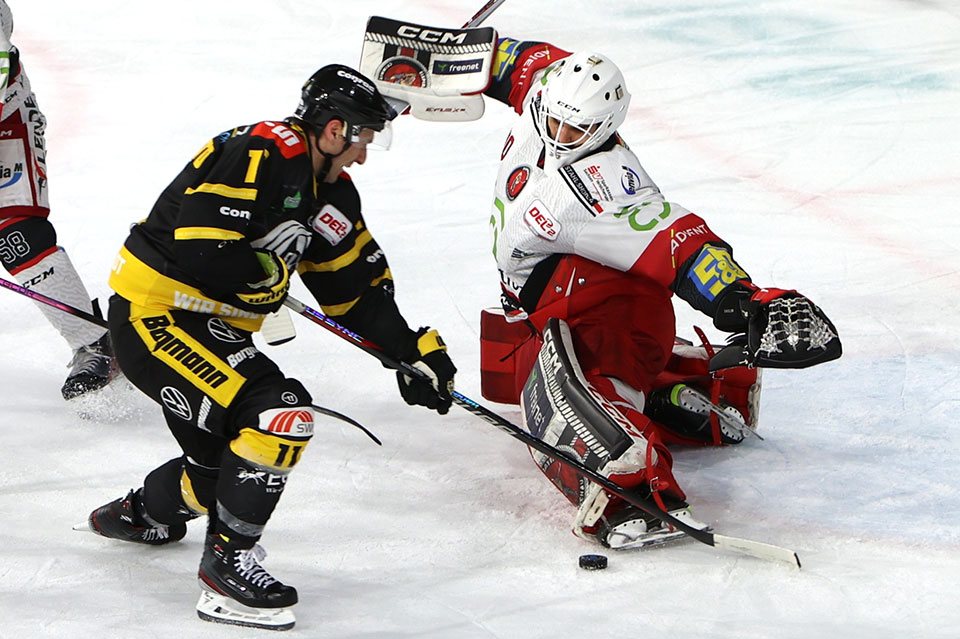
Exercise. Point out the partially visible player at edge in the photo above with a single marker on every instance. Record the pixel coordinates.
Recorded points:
(195, 279)
(590, 254)
(28, 241)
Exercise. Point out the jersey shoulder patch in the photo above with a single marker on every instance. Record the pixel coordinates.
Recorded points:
(611, 175)
(288, 141)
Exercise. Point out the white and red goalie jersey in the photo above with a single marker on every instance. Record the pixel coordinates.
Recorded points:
(603, 207)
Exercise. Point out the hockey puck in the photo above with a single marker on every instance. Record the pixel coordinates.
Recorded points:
(593, 562)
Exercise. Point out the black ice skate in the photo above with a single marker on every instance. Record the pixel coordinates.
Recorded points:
(91, 368)
(236, 589)
(686, 411)
(119, 520)
(631, 527)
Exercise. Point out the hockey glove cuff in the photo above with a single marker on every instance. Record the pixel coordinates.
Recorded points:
(784, 330)
(432, 391)
(267, 295)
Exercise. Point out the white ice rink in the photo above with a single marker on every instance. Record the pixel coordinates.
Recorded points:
(820, 139)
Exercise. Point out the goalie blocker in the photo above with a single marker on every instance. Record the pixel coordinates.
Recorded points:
(437, 73)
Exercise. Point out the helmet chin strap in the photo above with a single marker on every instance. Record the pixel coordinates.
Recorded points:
(328, 158)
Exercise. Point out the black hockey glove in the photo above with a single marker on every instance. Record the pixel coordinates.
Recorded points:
(431, 358)
(268, 294)
(784, 330)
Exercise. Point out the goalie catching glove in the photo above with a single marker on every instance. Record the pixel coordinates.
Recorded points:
(431, 358)
(784, 329)
(267, 295)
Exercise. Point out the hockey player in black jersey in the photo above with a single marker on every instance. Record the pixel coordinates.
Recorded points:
(197, 277)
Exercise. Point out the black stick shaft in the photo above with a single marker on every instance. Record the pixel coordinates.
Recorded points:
(735, 544)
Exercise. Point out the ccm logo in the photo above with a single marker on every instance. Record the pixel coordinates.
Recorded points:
(429, 35)
(226, 210)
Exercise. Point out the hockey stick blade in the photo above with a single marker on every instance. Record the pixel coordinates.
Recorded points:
(743, 546)
(344, 418)
(757, 549)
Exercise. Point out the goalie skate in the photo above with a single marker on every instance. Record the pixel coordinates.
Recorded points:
(632, 528)
(687, 410)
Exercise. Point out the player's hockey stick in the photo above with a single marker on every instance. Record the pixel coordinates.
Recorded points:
(49, 301)
(744, 546)
(482, 14)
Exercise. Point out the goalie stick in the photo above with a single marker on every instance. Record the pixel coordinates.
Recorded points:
(744, 546)
(482, 14)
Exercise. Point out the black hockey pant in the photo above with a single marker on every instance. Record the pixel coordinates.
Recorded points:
(240, 423)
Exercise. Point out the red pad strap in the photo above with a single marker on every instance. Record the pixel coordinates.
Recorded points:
(767, 295)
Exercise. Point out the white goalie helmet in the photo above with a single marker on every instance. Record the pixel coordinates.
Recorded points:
(586, 97)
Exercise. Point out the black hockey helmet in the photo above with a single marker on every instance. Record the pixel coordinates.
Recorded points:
(338, 92)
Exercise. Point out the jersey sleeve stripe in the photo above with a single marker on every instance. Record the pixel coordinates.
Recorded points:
(205, 233)
(339, 262)
(336, 310)
(224, 190)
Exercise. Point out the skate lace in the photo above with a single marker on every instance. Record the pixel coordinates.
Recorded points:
(153, 533)
(247, 564)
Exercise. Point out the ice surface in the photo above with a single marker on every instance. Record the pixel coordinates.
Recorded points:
(820, 139)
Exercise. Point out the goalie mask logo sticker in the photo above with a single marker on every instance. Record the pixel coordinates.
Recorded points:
(403, 70)
(517, 180)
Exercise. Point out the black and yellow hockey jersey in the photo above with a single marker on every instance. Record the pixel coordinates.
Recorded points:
(247, 185)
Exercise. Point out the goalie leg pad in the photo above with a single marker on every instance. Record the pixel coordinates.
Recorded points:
(586, 420)
(559, 409)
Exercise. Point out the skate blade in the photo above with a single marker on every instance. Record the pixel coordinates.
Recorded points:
(646, 542)
(220, 609)
(84, 527)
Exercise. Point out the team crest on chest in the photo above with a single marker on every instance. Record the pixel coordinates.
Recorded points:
(517, 180)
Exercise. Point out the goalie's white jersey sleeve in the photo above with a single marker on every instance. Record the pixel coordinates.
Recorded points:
(603, 207)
